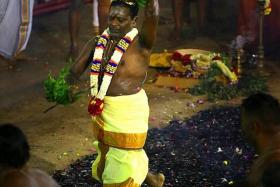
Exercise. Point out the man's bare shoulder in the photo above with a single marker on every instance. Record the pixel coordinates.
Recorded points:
(16, 179)
(43, 178)
(260, 165)
(28, 178)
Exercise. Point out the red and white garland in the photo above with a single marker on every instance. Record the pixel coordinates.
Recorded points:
(96, 103)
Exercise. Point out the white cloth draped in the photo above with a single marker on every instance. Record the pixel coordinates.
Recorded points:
(15, 25)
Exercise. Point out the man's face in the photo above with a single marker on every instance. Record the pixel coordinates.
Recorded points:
(120, 21)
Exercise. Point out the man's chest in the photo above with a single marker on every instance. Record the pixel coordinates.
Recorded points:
(125, 59)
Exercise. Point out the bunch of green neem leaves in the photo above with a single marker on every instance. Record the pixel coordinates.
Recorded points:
(57, 89)
(215, 90)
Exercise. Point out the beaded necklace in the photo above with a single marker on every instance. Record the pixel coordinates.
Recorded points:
(97, 101)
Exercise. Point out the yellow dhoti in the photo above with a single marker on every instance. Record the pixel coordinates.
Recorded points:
(121, 132)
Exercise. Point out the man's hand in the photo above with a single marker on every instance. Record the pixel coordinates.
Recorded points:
(72, 78)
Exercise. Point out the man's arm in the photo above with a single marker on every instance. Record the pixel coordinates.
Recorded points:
(79, 67)
(149, 25)
(81, 64)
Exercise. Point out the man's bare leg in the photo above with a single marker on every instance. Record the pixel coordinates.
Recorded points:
(74, 26)
(155, 180)
(202, 13)
(103, 11)
(177, 6)
(95, 19)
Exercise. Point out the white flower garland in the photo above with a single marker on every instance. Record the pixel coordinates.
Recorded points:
(112, 65)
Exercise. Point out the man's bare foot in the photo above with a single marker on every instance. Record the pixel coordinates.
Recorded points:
(155, 180)
(160, 179)
(13, 62)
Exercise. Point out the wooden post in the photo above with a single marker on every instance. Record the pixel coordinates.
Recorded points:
(261, 4)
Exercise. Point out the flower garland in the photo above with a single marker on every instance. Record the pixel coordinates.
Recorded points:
(96, 103)
(196, 62)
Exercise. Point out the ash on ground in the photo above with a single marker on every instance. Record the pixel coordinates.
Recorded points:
(204, 151)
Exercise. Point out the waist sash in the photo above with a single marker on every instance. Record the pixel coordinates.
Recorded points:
(123, 122)
(119, 140)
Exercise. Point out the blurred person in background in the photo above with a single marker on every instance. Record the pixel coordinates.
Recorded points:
(14, 170)
(260, 119)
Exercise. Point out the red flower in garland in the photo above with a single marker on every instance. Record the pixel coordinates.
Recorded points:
(176, 56)
(186, 59)
(95, 106)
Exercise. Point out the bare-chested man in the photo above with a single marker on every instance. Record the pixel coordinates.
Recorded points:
(119, 105)
(14, 154)
(260, 115)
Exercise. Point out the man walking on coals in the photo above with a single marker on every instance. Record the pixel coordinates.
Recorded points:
(118, 105)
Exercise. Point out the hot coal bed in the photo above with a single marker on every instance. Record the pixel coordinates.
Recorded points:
(206, 150)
